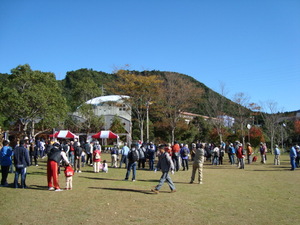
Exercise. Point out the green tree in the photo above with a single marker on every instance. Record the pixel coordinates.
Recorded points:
(91, 123)
(31, 97)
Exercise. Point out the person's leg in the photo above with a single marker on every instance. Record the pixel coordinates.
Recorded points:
(200, 173)
(133, 166)
(170, 182)
(17, 172)
(54, 170)
(161, 181)
(4, 170)
(193, 172)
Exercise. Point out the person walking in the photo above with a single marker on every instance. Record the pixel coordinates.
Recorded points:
(165, 164)
(21, 162)
(198, 163)
(6, 154)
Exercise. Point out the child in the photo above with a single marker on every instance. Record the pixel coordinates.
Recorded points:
(96, 159)
(69, 172)
(104, 166)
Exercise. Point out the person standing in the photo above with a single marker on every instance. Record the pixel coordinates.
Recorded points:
(276, 155)
(165, 164)
(21, 161)
(77, 161)
(6, 161)
(151, 155)
(124, 153)
(198, 163)
(184, 152)
(54, 157)
(142, 157)
(231, 153)
(89, 155)
(249, 153)
(133, 157)
(262, 151)
(176, 155)
(96, 159)
(293, 155)
(240, 155)
(114, 156)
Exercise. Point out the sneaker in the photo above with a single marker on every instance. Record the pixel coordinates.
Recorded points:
(58, 189)
(133, 180)
(155, 191)
(51, 189)
(191, 182)
(125, 179)
(173, 191)
(36, 165)
(200, 182)
(79, 171)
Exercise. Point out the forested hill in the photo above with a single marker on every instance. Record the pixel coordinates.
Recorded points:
(77, 81)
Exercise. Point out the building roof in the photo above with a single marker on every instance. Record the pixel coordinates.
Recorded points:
(108, 98)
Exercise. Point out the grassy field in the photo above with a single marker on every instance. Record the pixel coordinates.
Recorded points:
(260, 194)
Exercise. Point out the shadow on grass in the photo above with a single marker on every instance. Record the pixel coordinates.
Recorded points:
(147, 192)
(99, 178)
(39, 187)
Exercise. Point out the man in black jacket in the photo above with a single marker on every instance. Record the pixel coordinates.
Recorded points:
(21, 161)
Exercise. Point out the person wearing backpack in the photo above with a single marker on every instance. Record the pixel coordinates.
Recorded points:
(184, 152)
(133, 157)
(6, 154)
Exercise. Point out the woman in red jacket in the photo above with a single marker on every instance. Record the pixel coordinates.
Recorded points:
(240, 155)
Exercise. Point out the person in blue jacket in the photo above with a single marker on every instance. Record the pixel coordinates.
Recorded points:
(5, 161)
(293, 155)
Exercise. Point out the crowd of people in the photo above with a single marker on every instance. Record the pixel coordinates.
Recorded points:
(73, 155)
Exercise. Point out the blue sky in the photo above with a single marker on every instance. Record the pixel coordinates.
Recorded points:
(248, 46)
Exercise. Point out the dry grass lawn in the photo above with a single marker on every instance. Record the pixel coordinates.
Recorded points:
(260, 194)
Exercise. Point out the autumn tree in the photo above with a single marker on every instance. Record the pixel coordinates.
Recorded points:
(142, 90)
(271, 117)
(177, 95)
(242, 114)
(31, 97)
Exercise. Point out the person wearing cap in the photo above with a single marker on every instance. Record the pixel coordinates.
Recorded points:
(240, 155)
(165, 164)
(249, 151)
(276, 155)
(5, 161)
(231, 152)
(293, 155)
(262, 150)
(198, 163)
(54, 157)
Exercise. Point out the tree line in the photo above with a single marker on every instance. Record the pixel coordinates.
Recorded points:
(33, 102)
